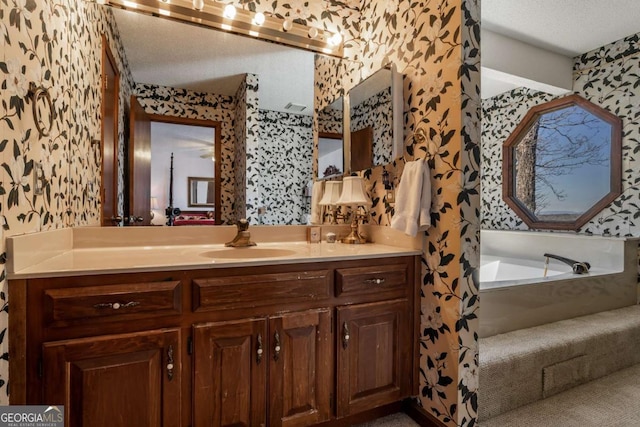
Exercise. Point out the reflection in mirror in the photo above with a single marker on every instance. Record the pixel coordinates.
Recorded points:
(261, 93)
(375, 118)
(201, 191)
(330, 140)
(330, 155)
(562, 163)
(194, 145)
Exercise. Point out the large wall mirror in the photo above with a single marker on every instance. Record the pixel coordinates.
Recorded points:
(375, 119)
(562, 164)
(185, 70)
(170, 61)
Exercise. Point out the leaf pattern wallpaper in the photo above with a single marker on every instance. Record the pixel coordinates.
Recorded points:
(441, 92)
(606, 76)
(434, 43)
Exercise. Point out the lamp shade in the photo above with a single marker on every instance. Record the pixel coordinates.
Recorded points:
(332, 190)
(353, 193)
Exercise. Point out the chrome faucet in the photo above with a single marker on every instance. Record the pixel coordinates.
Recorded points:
(243, 238)
(577, 266)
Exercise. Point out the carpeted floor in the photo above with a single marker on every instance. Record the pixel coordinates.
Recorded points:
(394, 420)
(611, 401)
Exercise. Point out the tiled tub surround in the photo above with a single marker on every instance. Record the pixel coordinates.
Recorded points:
(95, 250)
(517, 303)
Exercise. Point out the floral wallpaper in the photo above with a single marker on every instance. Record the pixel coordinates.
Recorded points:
(286, 152)
(606, 76)
(55, 45)
(248, 101)
(441, 66)
(434, 43)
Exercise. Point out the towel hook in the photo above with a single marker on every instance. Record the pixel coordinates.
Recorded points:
(41, 94)
(420, 135)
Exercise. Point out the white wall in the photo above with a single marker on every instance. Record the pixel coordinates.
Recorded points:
(510, 62)
(187, 143)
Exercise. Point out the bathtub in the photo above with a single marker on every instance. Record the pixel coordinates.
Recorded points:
(516, 294)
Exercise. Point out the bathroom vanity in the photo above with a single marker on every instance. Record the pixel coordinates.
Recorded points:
(296, 340)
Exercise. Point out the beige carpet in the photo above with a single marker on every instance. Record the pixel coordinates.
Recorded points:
(395, 420)
(611, 401)
(520, 367)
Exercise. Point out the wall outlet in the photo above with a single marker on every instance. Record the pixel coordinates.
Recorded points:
(313, 234)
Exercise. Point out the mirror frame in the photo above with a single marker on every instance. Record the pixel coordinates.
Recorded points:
(508, 177)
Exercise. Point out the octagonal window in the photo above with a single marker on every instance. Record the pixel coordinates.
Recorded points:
(562, 164)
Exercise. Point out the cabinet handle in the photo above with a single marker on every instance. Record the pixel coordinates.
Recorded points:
(170, 362)
(259, 351)
(116, 305)
(376, 281)
(276, 347)
(345, 335)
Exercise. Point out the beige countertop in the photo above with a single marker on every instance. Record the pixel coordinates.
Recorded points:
(59, 254)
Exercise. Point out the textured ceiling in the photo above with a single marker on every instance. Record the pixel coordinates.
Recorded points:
(174, 54)
(568, 27)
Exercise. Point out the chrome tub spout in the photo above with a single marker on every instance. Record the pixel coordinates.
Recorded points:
(578, 267)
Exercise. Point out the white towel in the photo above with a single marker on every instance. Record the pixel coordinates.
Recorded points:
(413, 199)
(317, 211)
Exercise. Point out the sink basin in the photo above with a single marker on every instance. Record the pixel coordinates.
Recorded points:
(248, 253)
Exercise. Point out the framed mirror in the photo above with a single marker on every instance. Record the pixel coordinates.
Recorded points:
(562, 164)
(375, 119)
(201, 191)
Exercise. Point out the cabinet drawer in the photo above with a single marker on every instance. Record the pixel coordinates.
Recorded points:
(233, 292)
(388, 280)
(65, 306)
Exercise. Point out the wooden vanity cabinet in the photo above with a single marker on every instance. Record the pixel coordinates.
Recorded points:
(287, 345)
(235, 362)
(115, 381)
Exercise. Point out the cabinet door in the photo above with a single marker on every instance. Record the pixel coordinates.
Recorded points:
(300, 370)
(374, 355)
(115, 381)
(230, 371)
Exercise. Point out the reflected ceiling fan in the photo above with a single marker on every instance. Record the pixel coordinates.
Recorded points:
(209, 154)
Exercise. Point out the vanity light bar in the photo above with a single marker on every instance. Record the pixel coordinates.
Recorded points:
(212, 15)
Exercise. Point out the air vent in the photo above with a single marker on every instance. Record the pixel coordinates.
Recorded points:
(295, 107)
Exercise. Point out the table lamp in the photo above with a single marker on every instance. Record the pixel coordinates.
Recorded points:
(332, 190)
(354, 195)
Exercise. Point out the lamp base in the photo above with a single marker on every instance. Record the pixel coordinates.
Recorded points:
(354, 238)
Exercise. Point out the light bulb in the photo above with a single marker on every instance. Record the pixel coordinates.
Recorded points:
(229, 11)
(335, 39)
(287, 25)
(313, 33)
(198, 4)
(258, 19)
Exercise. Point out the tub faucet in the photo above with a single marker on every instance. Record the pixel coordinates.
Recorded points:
(243, 238)
(577, 266)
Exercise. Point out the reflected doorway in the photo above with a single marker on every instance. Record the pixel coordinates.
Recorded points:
(195, 145)
(109, 138)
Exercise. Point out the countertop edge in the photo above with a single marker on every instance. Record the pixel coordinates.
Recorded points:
(52, 273)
